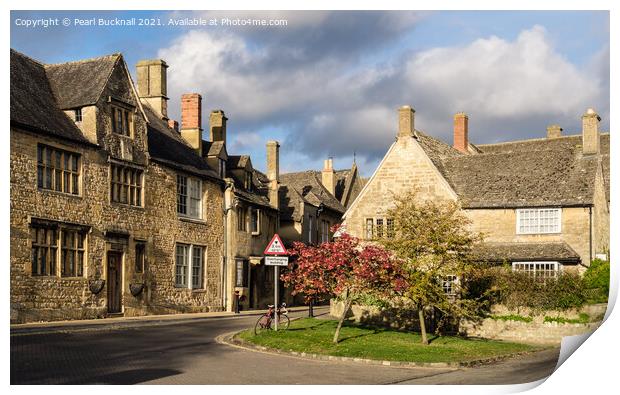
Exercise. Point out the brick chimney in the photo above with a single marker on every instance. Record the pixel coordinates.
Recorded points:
(328, 177)
(191, 120)
(406, 121)
(554, 131)
(172, 124)
(461, 132)
(217, 126)
(273, 171)
(152, 84)
(590, 133)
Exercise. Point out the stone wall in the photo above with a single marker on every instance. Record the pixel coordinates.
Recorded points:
(537, 331)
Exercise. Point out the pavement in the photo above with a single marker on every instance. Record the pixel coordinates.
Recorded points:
(183, 350)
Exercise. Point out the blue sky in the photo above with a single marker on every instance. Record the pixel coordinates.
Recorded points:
(329, 83)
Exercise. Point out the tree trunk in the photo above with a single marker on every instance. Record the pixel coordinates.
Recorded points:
(422, 324)
(347, 306)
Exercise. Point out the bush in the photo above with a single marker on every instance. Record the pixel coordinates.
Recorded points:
(596, 281)
(511, 317)
(520, 290)
(583, 319)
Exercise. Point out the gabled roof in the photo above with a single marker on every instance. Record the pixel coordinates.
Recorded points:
(304, 187)
(528, 173)
(77, 84)
(166, 146)
(214, 149)
(238, 161)
(32, 101)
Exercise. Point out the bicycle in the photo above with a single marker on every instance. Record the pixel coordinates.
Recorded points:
(265, 322)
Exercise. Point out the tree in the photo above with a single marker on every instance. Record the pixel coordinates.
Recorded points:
(433, 240)
(343, 268)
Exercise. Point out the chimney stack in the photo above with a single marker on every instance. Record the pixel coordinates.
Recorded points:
(172, 124)
(328, 176)
(461, 132)
(152, 84)
(273, 171)
(590, 133)
(406, 121)
(191, 120)
(554, 131)
(217, 126)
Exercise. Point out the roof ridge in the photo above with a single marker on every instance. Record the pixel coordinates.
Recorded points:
(532, 139)
(33, 60)
(115, 54)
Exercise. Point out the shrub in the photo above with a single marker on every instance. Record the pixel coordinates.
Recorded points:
(511, 317)
(517, 289)
(583, 319)
(596, 281)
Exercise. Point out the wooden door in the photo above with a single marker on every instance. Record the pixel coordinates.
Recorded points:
(114, 282)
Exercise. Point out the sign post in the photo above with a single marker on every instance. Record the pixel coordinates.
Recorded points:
(273, 249)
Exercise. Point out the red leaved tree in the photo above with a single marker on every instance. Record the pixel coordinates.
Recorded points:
(343, 268)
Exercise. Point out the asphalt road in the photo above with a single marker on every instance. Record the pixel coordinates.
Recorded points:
(187, 353)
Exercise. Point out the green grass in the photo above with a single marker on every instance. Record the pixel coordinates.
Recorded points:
(511, 317)
(583, 319)
(314, 336)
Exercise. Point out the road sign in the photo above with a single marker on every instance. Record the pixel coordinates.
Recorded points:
(276, 260)
(275, 246)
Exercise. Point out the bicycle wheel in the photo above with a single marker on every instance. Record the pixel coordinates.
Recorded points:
(284, 322)
(262, 324)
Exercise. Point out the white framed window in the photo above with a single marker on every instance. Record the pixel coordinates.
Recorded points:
(189, 196)
(449, 284)
(539, 270)
(539, 220)
(186, 254)
(324, 231)
(242, 268)
(310, 229)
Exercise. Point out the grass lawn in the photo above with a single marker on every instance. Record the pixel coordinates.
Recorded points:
(314, 336)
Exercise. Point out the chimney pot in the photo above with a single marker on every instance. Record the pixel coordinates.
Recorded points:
(461, 132)
(406, 121)
(172, 124)
(590, 133)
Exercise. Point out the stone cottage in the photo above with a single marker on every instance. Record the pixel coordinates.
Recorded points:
(311, 202)
(111, 212)
(543, 204)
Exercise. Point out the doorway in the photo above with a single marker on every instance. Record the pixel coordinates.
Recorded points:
(114, 282)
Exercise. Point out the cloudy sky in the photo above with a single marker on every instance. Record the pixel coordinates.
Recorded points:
(329, 83)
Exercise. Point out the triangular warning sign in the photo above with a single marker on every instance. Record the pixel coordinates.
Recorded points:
(275, 246)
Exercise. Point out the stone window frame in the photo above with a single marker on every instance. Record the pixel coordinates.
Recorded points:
(324, 231)
(221, 167)
(534, 221)
(378, 228)
(130, 183)
(60, 248)
(187, 272)
(310, 229)
(63, 167)
(77, 114)
(190, 196)
(242, 219)
(450, 284)
(542, 270)
(140, 256)
(255, 226)
(125, 122)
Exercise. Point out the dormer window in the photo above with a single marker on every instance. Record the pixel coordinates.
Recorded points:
(122, 121)
(78, 114)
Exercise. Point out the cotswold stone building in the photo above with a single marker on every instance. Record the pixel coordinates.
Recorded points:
(543, 204)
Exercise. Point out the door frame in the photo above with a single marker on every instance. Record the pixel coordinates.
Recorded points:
(119, 288)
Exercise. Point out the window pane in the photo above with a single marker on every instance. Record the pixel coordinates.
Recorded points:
(197, 260)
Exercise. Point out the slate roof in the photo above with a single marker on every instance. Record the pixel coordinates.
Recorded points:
(305, 187)
(237, 161)
(510, 252)
(528, 173)
(212, 148)
(167, 147)
(32, 101)
(77, 84)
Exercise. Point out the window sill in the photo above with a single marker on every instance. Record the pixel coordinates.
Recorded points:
(193, 220)
(59, 193)
(141, 208)
(540, 233)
